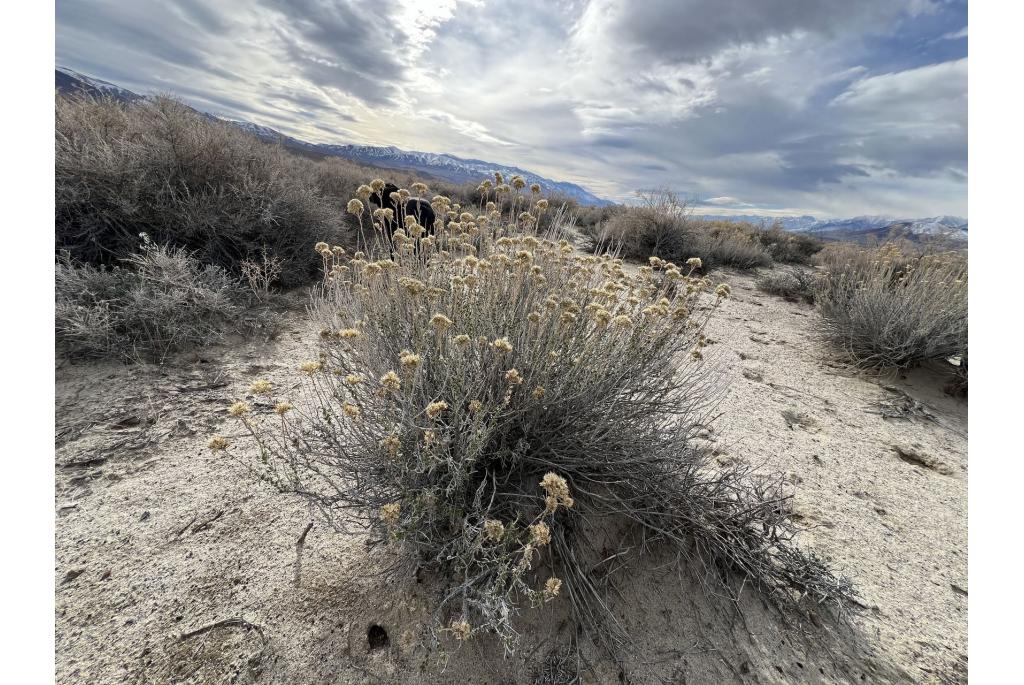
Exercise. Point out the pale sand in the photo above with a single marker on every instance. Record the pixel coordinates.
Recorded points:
(157, 536)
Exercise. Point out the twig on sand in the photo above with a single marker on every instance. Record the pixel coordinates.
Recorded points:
(298, 553)
(206, 524)
(227, 622)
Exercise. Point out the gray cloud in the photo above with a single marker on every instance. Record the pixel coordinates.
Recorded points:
(694, 30)
(765, 103)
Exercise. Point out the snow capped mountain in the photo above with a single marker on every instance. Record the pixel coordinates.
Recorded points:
(69, 80)
(455, 169)
(445, 166)
(864, 228)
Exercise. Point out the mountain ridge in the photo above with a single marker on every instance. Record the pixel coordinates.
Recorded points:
(441, 165)
(863, 228)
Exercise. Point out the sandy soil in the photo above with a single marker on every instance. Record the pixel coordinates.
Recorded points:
(173, 565)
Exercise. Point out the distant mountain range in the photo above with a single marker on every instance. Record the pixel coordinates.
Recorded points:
(444, 166)
(863, 229)
(460, 170)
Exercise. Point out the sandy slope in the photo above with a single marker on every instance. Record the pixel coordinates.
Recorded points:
(157, 537)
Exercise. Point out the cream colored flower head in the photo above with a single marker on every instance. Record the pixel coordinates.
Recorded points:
(239, 409)
(391, 445)
(461, 630)
(552, 587)
(282, 408)
(351, 410)
(322, 247)
(494, 529)
(409, 360)
(435, 409)
(390, 513)
(694, 262)
(723, 290)
(441, 322)
(512, 377)
(502, 345)
(218, 443)
(310, 367)
(461, 340)
(377, 185)
(391, 381)
(355, 206)
(261, 387)
(622, 321)
(540, 534)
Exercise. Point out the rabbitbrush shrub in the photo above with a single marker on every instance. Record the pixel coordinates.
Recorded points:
(485, 399)
(892, 307)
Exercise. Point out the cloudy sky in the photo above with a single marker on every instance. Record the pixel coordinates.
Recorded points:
(825, 107)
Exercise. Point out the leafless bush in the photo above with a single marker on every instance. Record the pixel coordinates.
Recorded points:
(485, 401)
(794, 285)
(188, 181)
(160, 300)
(894, 307)
(261, 274)
(662, 226)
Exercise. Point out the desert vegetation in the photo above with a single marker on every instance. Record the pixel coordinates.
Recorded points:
(894, 306)
(224, 217)
(187, 181)
(159, 300)
(485, 402)
(794, 284)
(662, 225)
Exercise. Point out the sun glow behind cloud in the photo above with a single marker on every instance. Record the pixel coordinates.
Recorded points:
(828, 107)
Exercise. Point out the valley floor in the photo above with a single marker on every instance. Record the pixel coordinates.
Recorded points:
(174, 565)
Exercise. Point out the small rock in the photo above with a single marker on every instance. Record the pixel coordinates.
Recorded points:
(72, 574)
(914, 454)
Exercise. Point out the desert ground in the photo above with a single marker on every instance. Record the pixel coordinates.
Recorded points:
(174, 565)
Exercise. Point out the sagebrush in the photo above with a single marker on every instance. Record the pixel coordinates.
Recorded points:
(894, 306)
(157, 301)
(662, 226)
(484, 401)
(795, 284)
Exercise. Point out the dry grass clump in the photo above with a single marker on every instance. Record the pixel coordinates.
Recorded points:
(188, 181)
(893, 306)
(485, 401)
(795, 285)
(661, 226)
(160, 300)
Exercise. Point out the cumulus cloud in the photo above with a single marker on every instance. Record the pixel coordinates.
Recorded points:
(814, 106)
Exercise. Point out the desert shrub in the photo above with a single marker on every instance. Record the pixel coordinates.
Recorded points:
(188, 181)
(788, 247)
(487, 402)
(661, 226)
(794, 285)
(159, 300)
(894, 307)
(727, 243)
